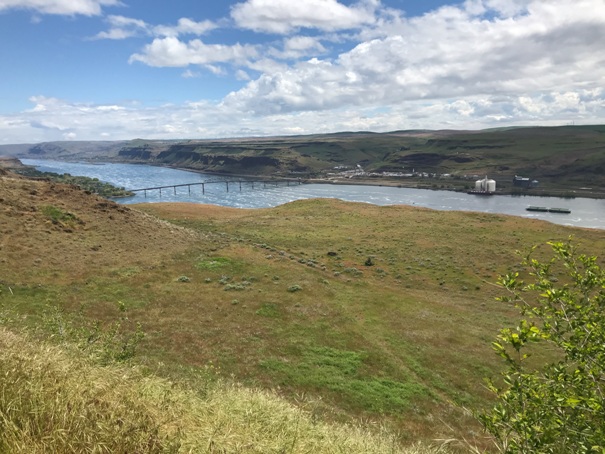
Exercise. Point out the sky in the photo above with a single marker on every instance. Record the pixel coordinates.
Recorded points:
(201, 69)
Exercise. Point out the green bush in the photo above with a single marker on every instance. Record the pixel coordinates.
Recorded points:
(553, 406)
(58, 215)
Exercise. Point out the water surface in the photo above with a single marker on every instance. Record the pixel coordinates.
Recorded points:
(585, 212)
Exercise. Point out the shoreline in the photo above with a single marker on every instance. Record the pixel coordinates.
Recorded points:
(412, 184)
(534, 192)
(564, 193)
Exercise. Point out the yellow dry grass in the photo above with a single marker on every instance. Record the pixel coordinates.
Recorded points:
(54, 401)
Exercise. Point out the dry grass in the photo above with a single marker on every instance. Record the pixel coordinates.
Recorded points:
(54, 401)
(55, 233)
(403, 343)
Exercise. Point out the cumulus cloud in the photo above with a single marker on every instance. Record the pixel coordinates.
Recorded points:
(185, 26)
(51, 118)
(283, 16)
(477, 64)
(448, 53)
(60, 7)
(171, 51)
(296, 47)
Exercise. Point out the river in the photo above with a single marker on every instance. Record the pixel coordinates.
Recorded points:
(588, 213)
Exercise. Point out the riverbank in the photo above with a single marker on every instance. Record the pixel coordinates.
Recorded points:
(435, 184)
(450, 184)
(457, 186)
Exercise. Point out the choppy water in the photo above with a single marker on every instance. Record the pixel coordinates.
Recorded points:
(585, 212)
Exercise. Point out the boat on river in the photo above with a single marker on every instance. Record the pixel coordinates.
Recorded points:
(559, 210)
(548, 210)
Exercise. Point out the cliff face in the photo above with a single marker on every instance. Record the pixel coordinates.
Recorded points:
(140, 153)
(215, 159)
(562, 157)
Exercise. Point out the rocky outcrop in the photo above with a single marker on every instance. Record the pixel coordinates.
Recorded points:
(136, 153)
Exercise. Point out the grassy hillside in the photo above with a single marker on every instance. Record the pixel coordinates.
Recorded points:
(383, 314)
(46, 406)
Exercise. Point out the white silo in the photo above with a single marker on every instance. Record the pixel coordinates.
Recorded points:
(485, 185)
(491, 186)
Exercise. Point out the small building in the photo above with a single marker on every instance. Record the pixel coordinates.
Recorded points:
(523, 182)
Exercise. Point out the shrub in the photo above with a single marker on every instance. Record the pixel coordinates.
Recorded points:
(558, 407)
(58, 216)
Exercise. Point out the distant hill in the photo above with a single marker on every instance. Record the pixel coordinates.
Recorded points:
(563, 158)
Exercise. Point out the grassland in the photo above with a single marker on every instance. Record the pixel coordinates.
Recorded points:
(56, 400)
(377, 314)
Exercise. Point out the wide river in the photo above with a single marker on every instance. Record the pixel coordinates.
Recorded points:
(584, 212)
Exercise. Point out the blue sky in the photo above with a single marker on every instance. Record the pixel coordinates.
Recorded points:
(122, 69)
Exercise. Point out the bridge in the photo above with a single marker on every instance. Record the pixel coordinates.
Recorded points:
(236, 183)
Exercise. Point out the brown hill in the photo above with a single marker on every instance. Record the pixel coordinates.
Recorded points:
(52, 231)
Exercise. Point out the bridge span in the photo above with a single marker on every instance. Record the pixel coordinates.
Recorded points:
(236, 183)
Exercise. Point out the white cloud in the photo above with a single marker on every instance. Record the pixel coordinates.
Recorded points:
(297, 47)
(240, 74)
(283, 16)
(60, 7)
(188, 74)
(448, 53)
(507, 8)
(172, 52)
(185, 26)
(124, 27)
(54, 119)
(482, 63)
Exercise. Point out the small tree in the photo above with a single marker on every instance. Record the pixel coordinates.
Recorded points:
(557, 406)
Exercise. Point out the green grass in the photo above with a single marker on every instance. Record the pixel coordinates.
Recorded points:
(415, 328)
(405, 341)
(340, 372)
(57, 215)
(55, 400)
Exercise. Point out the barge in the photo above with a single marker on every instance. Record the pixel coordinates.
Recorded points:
(548, 210)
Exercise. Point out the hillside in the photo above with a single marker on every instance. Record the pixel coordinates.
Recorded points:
(384, 314)
(565, 159)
